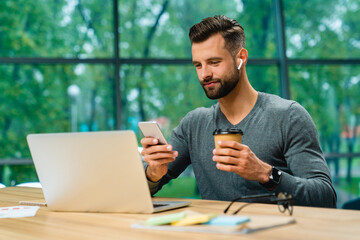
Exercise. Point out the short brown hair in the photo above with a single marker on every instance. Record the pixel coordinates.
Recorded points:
(230, 29)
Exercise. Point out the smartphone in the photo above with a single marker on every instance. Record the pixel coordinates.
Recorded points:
(152, 129)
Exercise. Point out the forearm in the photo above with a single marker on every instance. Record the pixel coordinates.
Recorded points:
(317, 191)
(154, 187)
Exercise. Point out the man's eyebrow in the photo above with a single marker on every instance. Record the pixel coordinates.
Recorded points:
(209, 59)
(213, 58)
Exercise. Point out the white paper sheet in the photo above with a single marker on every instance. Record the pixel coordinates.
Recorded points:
(18, 211)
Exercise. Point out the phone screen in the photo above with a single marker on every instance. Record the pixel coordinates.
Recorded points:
(152, 129)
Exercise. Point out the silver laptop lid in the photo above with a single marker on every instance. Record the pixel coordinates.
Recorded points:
(91, 171)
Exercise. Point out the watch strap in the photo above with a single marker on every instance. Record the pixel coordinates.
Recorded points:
(274, 179)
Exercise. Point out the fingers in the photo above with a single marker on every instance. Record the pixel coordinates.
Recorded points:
(159, 158)
(155, 154)
(226, 152)
(148, 141)
(241, 162)
(227, 167)
(151, 147)
(232, 149)
(225, 160)
(233, 145)
(238, 158)
(156, 149)
(232, 153)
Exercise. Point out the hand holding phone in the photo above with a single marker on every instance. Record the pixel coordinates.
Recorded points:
(154, 153)
(152, 129)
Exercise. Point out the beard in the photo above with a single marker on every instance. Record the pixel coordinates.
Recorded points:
(223, 86)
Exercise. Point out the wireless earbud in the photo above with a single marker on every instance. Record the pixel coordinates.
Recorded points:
(241, 62)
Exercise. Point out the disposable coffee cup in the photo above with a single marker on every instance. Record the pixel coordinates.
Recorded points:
(231, 134)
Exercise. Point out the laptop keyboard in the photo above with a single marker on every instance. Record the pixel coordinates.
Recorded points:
(159, 205)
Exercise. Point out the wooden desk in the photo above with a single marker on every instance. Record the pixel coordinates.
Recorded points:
(312, 223)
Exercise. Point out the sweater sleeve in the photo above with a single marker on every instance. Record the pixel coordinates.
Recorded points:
(179, 143)
(309, 181)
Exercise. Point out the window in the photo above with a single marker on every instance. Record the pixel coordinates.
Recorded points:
(93, 65)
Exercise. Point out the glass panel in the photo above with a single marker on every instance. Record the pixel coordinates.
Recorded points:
(162, 93)
(322, 29)
(264, 78)
(56, 28)
(143, 37)
(50, 98)
(331, 96)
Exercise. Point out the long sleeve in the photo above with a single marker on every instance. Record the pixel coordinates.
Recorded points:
(309, 181)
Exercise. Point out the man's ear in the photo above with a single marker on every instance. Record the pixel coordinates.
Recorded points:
(241, 58)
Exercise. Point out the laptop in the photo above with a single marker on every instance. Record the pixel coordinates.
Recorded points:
(94, 172)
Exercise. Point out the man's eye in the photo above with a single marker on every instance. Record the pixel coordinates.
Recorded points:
(215, 62)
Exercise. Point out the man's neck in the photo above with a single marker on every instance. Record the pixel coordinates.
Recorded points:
(238, 104)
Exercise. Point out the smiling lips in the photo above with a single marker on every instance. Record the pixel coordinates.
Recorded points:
(209, 84)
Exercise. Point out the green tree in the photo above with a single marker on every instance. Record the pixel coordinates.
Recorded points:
(34, 97)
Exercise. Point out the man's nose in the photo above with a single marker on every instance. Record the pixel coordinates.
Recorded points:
(206, 73)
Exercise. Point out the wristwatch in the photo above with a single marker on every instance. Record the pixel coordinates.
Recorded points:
(274, 179)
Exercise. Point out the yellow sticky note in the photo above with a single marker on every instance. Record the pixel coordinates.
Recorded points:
(165, 219)
(192, 220)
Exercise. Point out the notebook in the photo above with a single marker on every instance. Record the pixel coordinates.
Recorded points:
(93, 172)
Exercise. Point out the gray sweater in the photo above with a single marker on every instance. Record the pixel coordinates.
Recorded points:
(280, 132)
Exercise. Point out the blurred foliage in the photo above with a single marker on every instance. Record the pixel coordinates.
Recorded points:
(180, 187)
(353, 187)
(34, 98)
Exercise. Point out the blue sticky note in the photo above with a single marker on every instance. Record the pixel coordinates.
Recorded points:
(228, 220)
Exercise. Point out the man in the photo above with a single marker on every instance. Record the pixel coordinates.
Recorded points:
(280, 150)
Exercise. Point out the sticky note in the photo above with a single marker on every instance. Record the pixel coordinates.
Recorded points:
(18, 211)
(228, 220)
(165, 219)
(192, 220)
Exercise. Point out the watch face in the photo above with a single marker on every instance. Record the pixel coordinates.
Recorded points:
(274, 179)
(275, 175)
